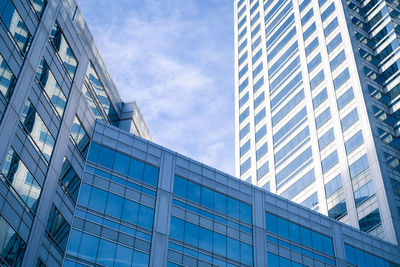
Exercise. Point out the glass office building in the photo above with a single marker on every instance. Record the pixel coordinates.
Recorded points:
(82, 185)
(53, 86)
(317, 106)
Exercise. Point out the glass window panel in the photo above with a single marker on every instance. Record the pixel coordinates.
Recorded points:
(88, 247)
(180, 186)
(58, 227)
(345, 98)
(364, 193)
(150, 175)
(80, 137)
(191, 234)
(121, 163)
(106, 252)
(177, 229)
(193, 192)
(305, 235)
(22, 181)
(39, 6)
(338, 210)
(349, 119)
(84, 194)
(283, 227)
(12, 247)
(219, 242)
(246, 254)
(74, 242)
(63, 50)
(7, 80)
(358, 166)
(51, 88)
(233, 249)
(355, 141)
(330, 161)
(146, 215)
(220, 202)
(123, 256)
(341, 79)
(136, 169)
(207, 197)
(245, 212)
(205, 239)
(15, 25)
(70, 179)
(35, 127)
(273, 260)
(98, 199)
(334, 185)
(336, 61)
(130, 211)
(140, 259)
(114, 205)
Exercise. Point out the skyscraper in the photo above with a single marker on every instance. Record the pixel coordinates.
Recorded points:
(317, 113)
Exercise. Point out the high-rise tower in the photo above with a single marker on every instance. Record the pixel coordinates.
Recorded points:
(317, 106)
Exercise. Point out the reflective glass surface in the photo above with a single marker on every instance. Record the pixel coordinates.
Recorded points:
(37, 130)
(370, 221)
(7, 80)
(80, 137)
(17, 29)
(39, 6)
(58, 228)
(51, 87)
(24, 185)
(12, 247)
(63, 50)
(70, 180)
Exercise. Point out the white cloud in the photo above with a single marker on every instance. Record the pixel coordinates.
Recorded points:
(175, 59)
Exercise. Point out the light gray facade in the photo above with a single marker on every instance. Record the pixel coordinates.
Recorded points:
(317, 106)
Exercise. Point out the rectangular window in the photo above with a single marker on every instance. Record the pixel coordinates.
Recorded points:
(326, 139)
(304, 4)
(285, 40)
(345, 98)
(297, 119)
(243, 85)
(330, 161)
(282, 59)
(255, 18)
(317, 80)
(258, 84)
(80, 137)
(307, 16)
(7, 80)
(292, 144)
(259, 100)
(58, 228)
(299, 185)
(328, 11)
(37, 130)
(354, 142)
(61, 46)
(15, 174)
(330, 27)
(314, 62)
(280, 31)
(51, 88)
(349, 119)
(244, 148)
(323, 118)
(244, 115)
(258, 69)
(283, 76)
(312, 46)
(243, 21)
(256, 43)
(38, 6)
(261, 151)
(243, 100)
(364, 193)
(294, 165)
(242, 34)
(255, 31)
(290, 87)
(244, 131)
(311, 201)
(254, 8)
(334, 43)
(338, 211)
(333, 185)
(307, 33)
(263, 170)
(341, 78)
(243, 71)
(243, 58)
(245, 166)
(256, 56)
(358, 166)
(288, 107)
(12, 246)
(259, 116)
(261, 133)
(320, 98)
(17, 29)
(242, 11)
(70, 180)
(242, 46)
(336, 61)
(370, 221)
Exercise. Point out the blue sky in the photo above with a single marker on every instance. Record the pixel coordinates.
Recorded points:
(175, 58)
